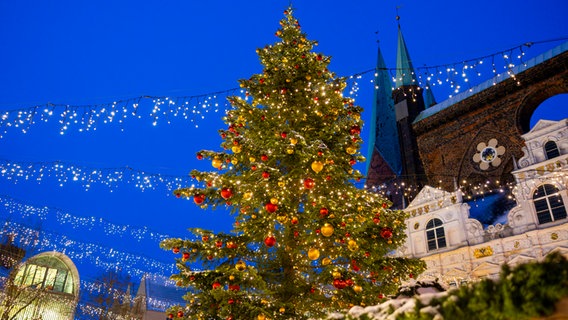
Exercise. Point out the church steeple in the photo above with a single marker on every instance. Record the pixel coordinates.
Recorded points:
(408, 103)
(383, 142)
(429, 99)
(405, 75)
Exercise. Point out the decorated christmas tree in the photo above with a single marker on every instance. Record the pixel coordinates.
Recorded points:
(306, 240)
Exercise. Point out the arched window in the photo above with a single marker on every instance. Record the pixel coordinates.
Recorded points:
(48, 273)
(435, 234)
(548, 204)
(551, 150)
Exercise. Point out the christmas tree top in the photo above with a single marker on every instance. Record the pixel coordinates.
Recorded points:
(306, 240)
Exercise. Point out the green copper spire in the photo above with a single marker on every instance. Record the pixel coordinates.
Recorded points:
(404, 70)
(429, 99)
(383, 140)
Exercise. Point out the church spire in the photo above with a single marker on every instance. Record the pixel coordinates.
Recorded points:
(405, 75)
(429, 99)
(383, 140)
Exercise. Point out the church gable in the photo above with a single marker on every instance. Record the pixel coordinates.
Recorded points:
(541, 125)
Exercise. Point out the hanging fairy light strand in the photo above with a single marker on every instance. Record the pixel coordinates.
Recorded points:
(457, 77)
(64, 172)
(27, 211)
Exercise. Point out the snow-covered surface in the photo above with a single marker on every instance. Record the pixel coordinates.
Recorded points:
(383, 311)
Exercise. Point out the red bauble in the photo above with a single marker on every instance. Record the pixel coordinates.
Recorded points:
(309, 183)
(270, 207)
(381, 296)
(216, 285)
(284, 134)
(219, 244)
(205, 238)
(339, 283)
(264, 157)
(270, 241)
(199, 156)
(385, 205)
(296, 234)
(178, 194)
(355, 130)
(180, 314)
(170, 316)
(376, 220)
(386, 233)
(354, 266)
(253, 167)
(265, 175)
(175, 250)
(349, 282)
(232, 245)
(324, 211)
(234, 287)
(226, 193)
(319, 57)
(294, 220)
(198, 198)
(352, 162)
(231, 301)
(185, 255)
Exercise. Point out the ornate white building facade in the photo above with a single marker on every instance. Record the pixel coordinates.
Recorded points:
(443, 231)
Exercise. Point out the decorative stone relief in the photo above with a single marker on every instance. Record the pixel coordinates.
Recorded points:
(483, 252)
(488, 154)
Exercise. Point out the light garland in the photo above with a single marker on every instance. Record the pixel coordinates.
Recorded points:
(17, 171)
(457, 77)
(21, 209)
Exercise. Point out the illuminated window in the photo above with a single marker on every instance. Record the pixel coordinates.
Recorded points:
(548, 204)
(551, 150)
(46, 273)
(435, 234)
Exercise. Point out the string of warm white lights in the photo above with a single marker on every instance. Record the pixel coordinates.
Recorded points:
(65, 172)
(97, 255)
(17, 171)
(456, 76)
(63, 218)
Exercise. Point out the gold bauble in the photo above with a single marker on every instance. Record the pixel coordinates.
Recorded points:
(282, 309)
(234, 161)
(336, 274)
(252, 159)
(327, 230)
(317, 166)
(326, 261)
(261, 317)
(357, 288)
(236, 149)
(216, 163)
(313, 254)
(352, 245)
(273, 200)
(247, 195)
(281, 183)
(282, 217)
(350, 150)
(308, 77)
(231, 277)
(290, 151)
(293, 141)
(240, 265)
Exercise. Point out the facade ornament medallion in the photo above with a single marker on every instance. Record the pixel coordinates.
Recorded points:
(488, 154)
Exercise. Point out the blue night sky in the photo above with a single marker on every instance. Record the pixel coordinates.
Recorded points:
(96, 52)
